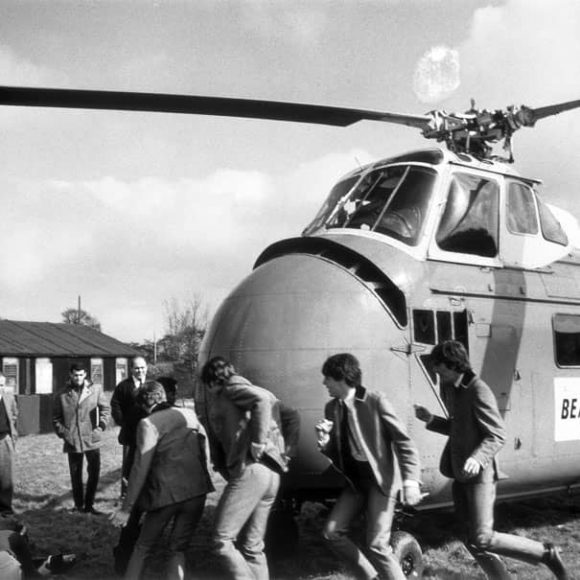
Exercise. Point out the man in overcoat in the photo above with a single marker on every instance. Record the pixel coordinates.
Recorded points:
(476, 434)
(366, 441)
(80, 415)
(8, 436)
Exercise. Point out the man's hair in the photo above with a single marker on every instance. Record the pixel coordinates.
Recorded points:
(452, 354)
(343, 366)
(76, 367)
(150, 394)
(169, 384)
(217, 370)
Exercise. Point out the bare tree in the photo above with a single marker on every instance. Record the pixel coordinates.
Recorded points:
(186, 323)
(80, 317)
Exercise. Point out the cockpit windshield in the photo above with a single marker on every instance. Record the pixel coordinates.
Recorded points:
(392, 200)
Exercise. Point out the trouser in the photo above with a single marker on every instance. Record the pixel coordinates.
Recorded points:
(187, 515)
(75, 463)
(17, 545)
(241, 519)
(6, 473)
(474, 503)
(379, 509)
(127, 463)
(127, 539)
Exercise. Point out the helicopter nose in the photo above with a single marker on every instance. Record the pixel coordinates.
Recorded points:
(292, 312)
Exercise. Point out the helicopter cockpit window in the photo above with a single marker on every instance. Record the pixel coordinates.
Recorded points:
(392, 201)
(338, 193)
(567, 339)
(521, 210)
(551, 228)
(470, 221)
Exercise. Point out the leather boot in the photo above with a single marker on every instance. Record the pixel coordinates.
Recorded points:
(554, 562)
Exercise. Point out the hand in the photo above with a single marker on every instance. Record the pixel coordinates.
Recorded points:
(323, 429)
(412, 494)
(423, 414)
(257, 450)
(471, 467)
(119, 518)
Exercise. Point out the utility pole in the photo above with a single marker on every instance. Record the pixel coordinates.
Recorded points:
(79, 310)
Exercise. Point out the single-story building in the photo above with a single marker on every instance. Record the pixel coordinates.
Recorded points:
(35, 358)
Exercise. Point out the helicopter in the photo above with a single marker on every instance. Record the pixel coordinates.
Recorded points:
(445, 242)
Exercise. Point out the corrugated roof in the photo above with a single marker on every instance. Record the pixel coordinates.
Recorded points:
(57, 339)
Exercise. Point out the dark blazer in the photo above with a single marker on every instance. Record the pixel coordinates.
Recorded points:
(475, 429)
(125, 411)
(79, 418)
(12, 412)
(170, 460)
(383, 435)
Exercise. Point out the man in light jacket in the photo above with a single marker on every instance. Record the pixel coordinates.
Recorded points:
(8, 436)
(366, 441)
(169, 479)
(80, 415)
(250, 450)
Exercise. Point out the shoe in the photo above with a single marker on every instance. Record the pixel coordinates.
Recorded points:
(60, 563)
(75, 509)
(92, 510)
(554, 562)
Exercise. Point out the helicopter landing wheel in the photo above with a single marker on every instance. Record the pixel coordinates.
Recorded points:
(408, 551)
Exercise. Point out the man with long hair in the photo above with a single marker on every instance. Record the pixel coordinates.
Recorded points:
(476, 434)
(245, 426)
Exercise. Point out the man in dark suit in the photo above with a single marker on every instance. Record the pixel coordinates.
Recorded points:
(127, 414)
(8, 435)
(476, 434)
(365, 440)
(169, 479)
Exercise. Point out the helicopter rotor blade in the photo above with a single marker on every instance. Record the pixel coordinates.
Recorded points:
(198, 105)
(548, 111)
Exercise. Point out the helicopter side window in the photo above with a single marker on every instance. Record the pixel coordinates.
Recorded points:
(551, 228)
(470, 221)
(521, 210)
(567, 339)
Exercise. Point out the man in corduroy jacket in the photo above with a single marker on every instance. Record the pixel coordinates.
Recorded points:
(245, 425)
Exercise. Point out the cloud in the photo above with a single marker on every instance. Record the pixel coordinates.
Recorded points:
(127, 246)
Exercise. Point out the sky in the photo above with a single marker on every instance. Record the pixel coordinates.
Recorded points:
(131, 210)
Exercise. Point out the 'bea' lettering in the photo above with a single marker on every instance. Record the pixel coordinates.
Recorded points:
(569, 409)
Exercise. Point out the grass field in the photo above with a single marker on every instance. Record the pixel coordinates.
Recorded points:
(43, 497)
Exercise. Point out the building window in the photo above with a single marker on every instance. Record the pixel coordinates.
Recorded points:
(567, 339)
(10, 368)
(121, 370)
(97, 371)
(43, 370)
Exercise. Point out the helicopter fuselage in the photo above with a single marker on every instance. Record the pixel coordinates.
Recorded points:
(405, 253)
